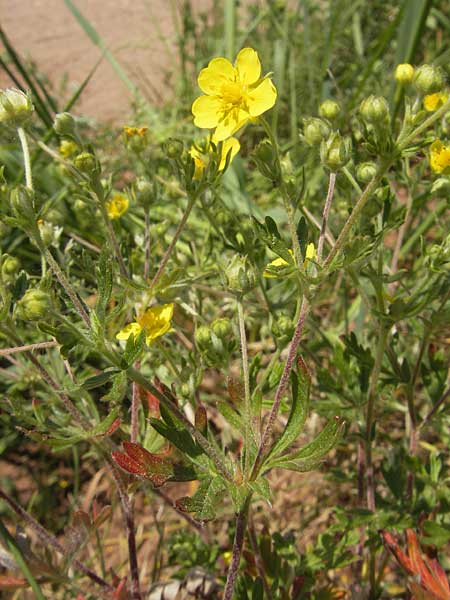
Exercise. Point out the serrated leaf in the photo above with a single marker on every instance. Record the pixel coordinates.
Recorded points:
(301, 386)
(262, 488)
(104, 426)
(232, 416)
(104, 282)
(180, 438)
(205, 499)
(133, 348)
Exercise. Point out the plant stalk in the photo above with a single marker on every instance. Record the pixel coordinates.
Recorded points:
(233, 571)
(26, 157)
(326, 212)
(247, 397)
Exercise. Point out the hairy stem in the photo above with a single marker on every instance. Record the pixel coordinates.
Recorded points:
(326, 211)
(233, 571)
(265, 438)
(26, 157)
(247, 398)
(27, 347)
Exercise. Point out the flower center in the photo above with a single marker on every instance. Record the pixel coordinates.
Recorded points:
(233, 93)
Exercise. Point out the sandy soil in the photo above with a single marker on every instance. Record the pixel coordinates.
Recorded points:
(47, 31)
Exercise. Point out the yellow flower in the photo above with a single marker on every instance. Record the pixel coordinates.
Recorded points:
(280, 262)
(234, 94)
(432, 102)
(231, 145)
(154, 321)
(67, 148)
(440, 157)
(117, 206)
(135, 131)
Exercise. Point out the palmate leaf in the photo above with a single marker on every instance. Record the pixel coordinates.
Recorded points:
(203, 503)
(308, 457)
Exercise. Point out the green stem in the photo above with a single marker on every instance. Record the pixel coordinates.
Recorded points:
(290, 212)
(26, 157)
(247, 398)
(12, 547)
(177, 234)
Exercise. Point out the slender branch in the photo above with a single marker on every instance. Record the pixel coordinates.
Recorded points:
(176, 235)
(26, 157)
(258, 560)
(27, 347)
(111, 233)
(265, 438)
(435, 408)
(49, 540)
(147, 246)
(241, 524)
(326, 211)
(247, 398)
(135, 399)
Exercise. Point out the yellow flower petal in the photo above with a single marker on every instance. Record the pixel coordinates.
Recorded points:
(440, 157)
(261, 98)
(248, 66)
(207, 111)
(232, 146)
(130, 329)
(310, 251)
(218, 72)
(432, 102)
(230, 123)
(117, 206)
(156, 321)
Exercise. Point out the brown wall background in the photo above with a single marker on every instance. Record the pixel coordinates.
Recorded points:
(47, 31)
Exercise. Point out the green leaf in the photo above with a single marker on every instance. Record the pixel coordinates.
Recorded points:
(133, 349)
(230, 415)
(180, 438)
(98, 380)
(261, 487)
(435, 533)
(105, 283)
(205, 500)
(301, 386)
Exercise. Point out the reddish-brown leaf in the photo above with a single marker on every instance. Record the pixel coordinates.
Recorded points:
(127, 464)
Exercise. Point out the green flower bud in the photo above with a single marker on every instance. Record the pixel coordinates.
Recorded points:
(87, 164)
(203, 338)
(10, 266)
(329, 109)
(34, 305)
(144, 192)
(404, 73)
(315, 131)
(265, 158)
(240, 276)
(222, 328)
(47, 232)
(366, 171)
(22, 204)
(174, 148)
(64, 124)
(374, 110)
(283, 329)
(428, 79)
(16, 108)
(335, 152)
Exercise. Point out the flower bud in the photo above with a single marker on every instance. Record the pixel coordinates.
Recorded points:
(136, 138)
(22, 203)
(47, 232)
(374, 110)
(428, 79)
(329, 109)
(315, 131)
(240, 276)
(34, 305)
(283, 330)
(144, 192)
(87, 164)
(64, 124)
(404, 73)
(222, 328)
(335, 152)
(67, 148)
(174, 148)
(10, 266)
(16, 107)
(203, 338)
(366, 171)
(265, 158)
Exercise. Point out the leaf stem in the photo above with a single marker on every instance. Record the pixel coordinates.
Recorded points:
(26, 157)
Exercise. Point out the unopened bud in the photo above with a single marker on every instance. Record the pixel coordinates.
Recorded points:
(315, 131)
(375, 110)
(34, 305)
(283, 329)
(265, 158)
(335, 152)
(144, 192)
(428, 79)
(16, 107)
(203, 338)
(174, 148)
(47, 232)
(329, 109)
(366, 171)
(136, 138)
(87, 164)
(240, 276)
(404, 73)
(222, 328)
(64, 124)
(10, 266)
(22, 203)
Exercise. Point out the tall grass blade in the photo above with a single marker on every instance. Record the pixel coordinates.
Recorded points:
(99, 42)
(11, 546)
